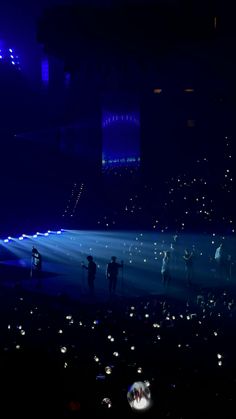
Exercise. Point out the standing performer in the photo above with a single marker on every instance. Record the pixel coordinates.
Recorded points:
(92, 269)
(112, 273)
(165, 269)
(220, 262)
(36, 263)
(188, 259)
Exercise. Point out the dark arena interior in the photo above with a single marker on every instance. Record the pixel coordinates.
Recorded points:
(117, 226)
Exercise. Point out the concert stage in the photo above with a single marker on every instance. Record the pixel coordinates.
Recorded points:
(63, 253)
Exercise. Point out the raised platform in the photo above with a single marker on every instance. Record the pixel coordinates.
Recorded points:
(63, 254)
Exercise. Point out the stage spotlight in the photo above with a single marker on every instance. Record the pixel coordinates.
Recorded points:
(35, 236)
(9, 238)
(6, 241)
(21, 238)
(46, 234)
(59, 232)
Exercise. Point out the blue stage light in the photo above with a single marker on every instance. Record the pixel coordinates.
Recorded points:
(45, 71)
(35, 236)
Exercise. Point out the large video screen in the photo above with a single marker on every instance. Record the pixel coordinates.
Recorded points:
(121, 139)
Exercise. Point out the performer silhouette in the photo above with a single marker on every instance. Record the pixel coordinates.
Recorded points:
(92, 269)
(188, 259)
(165, 269)
(112, 273)
(36, 263)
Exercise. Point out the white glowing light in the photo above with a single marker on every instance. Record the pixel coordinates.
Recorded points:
(139, 396)
(107, 402)
(140, 405)
(108, 370)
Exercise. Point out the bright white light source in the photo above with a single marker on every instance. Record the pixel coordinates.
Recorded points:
(139, 396)
(108, 370)
(106, 402)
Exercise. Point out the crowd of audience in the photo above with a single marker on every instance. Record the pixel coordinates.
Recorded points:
(70, 359)
(165, 357)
